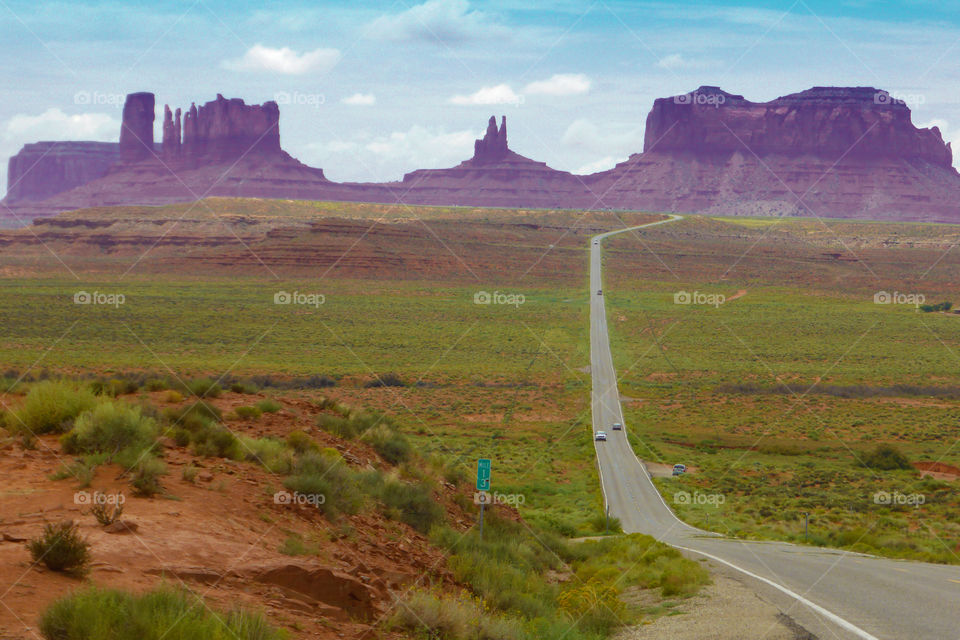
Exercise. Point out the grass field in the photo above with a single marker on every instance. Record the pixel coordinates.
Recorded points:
(778, 396)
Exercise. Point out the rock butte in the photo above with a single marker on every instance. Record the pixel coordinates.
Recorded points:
(828, 151)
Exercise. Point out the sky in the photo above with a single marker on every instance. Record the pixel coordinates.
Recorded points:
(371, 90)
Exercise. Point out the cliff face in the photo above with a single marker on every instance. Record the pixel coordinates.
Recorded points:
(223, 130)
(824, 122)
(44, 169)
(136, 131)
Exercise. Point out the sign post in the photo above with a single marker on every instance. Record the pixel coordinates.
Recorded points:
(483, 485)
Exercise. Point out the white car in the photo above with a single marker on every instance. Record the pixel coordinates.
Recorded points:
(617, 426)
(601, 435)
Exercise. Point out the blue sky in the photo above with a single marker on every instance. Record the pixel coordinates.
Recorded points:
(371, 90)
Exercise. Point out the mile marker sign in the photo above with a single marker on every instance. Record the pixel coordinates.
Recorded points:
(483, 474)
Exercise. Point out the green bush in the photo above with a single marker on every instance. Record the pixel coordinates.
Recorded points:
(195, 414)
(204, 388)
(146, 476)
(391, 445)
(268, 405)
(301, 442)
(248, 413)
(245, 388)
(886, 457)
(273, 455)
(111, 427)
(155, 384)
(167, 614)
(386, 380)
(412, 504)
(327, 475)
(50, 407)
(61, 548)
(114, 387)
(459, 617)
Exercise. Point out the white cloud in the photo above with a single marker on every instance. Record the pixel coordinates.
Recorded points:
(607, 162)
(561, 84)
(610, 143)
(285, 60)
(499, 94)
(360, 100)
(389, 156)
(673, 61)
(437, 21)
(54, 124)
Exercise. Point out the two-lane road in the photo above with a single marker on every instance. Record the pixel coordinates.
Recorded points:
(833, 594)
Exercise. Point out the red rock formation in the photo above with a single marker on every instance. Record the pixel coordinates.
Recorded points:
(171, 134)
(44, 169)
(224, 130)
(492, 147)
(136, 132)
(826, 122)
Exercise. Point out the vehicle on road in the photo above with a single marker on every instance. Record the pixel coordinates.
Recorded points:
(599, 292)
(596, 242)
(601, 435)
(679, 469)
(617, 426)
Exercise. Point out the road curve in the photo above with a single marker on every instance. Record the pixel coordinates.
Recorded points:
(833, 594)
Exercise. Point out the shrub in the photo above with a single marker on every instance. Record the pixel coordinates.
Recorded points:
(61, 548)
(173, 397)
(51, 407)
(886, 457)
(386, 380)
(391, 445)
(114, 387)
(460, 617)
(327, 475)
(245, 388)
(106, 513)
(204, 388)
(273, 455)
(155, 384)
(301, 442)
(248, 413)
(193, 416)
(105, 614)
(412, 504)
(190, 473)
(268, 405)
(294, 545)
(146, 477)
(110, 428)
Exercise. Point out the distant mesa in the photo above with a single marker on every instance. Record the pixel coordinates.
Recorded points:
(826, 122)
(828, 151)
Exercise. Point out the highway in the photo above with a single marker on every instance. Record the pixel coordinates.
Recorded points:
(832, 594)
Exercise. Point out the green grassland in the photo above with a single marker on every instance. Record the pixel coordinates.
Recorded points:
(778, 397)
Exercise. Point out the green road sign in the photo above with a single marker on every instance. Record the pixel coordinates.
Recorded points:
(483, 474)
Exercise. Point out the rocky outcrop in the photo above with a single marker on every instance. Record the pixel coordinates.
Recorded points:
(825, 122)
(44, 169)
(136, 131)
(223, 130)
(492, 147)
(171, 134)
